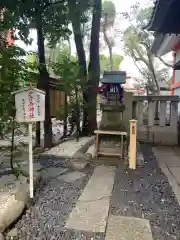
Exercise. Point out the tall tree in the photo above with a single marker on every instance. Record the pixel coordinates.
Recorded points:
(137, 44)
(77, 10)
(108, 18)
(94, 66)
(50, 19)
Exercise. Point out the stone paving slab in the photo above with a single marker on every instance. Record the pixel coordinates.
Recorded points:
(91, 211)
(128, 228)
(168, 156)
(163, 151)
(89, 216)
(100, 184)
(72, 176)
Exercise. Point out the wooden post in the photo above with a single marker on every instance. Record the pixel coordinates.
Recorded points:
(30, 163)
(132, 145)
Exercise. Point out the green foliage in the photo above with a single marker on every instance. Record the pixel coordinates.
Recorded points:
(12, 69)
(107, 23)
(138, 43)
(25, 15)
(105, 65)
(70, 72)
(109, 12)
(74, 84)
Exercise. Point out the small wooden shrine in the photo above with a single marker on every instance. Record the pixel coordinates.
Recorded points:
(112, 107)
(112, 127)
(111, 88)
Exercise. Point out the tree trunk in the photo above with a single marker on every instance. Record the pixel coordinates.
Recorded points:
(94, 67)
(111, 58)
(151, 68)
(78, 38)
(43, 83)
(70, 50)
(106, 39)
(82, 62)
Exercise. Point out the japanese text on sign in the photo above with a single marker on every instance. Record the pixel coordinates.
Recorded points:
(133, 130)
(23, 108)
(38, 105)
(30, 105)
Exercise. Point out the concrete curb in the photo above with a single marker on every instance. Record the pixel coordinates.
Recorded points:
(17, 202)
(82, 149)
(171, 179)
(81, 159)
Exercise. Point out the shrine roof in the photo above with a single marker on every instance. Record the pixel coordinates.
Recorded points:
(165, 17)
(114, 77)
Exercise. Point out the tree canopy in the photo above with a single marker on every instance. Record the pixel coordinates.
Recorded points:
(105, 65)
(137, 45)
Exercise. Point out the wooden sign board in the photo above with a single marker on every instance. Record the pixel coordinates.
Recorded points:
(30, 105)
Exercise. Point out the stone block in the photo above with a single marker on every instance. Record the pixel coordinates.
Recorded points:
(89, 216)
(11, 212)
(78, 164)
(128, 228)
(100, 184)
(72, 176)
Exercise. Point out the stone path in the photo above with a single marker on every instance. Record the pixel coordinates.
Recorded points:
(92, 207)
(104, 202)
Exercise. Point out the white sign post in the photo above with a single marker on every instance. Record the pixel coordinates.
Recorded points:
(30, 107)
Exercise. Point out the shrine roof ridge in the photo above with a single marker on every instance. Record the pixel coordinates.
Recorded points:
(114, 73)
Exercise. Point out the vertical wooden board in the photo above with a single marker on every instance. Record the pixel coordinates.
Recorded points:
(52, 101)
(62, 98)
(57, 102)
(132, 145)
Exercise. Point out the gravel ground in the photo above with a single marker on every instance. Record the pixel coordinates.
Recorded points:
(54, 202)
(143, 193)
(146, 193)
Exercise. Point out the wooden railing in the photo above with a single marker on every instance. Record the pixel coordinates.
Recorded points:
(157, 118)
